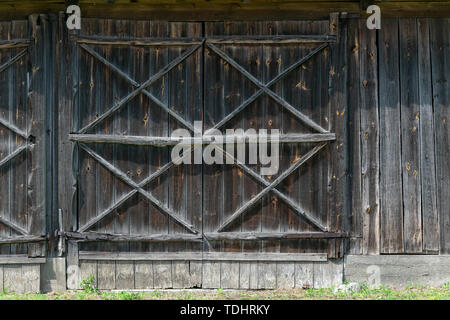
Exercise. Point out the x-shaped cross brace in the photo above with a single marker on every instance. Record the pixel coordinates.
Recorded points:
(19, 150)
(263, 89)
(140, 87)
(137, 188)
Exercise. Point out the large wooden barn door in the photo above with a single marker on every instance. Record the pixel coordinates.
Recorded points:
(134, 84)
(275, 75)
(22, 145)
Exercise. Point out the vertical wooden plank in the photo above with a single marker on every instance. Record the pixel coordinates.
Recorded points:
(195, 270)
(271, 67)
(427, 149)
(67, 82)
(104, 78)
(19, 118)
(409, 98)
(252, 119)
(267, 275)
(162, 274)
(244, 275)
(254, 275)
(1, 278)
(90, 90)
(87, 269)
(285, 275)
(328, 274)
(229, 275)
(13, 280)
(31, 278)
(194, 112)
(122, 59)
(211, 274)
(354, 148)
(158, 126)
(339, 149)
(304, 275)
(391, 196)
(369, 140)
(143, 274)
(4, 140)
(106, 275)
(213, 175)
(440, 62)
(138, 112)
(180, 274)
(177, 101)
(124, 275)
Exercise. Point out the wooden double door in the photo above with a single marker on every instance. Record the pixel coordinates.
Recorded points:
(133, 83)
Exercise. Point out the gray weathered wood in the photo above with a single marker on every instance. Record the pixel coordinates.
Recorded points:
(244, 275)
(229, 275)
(124, 275)
(398, 270)
(211, 274)
(440, 63)
(277, 181)
(391, 195)
(95, 236)
(106, 275)
(273, 235)
(304, 275)
(286, 275)
(410, 147)
(87, 269)
(143, 276)
(206, 256)
(328, 274)
(272, 39)
(20, 259)
(1, 278)
(31, 278)
(267, 275)
(427, 149)
(162, 274)
(13, 280)
(208, 139)
(370, 153)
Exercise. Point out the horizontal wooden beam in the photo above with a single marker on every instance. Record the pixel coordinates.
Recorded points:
(223, 10)
(170, 141)
(17, 43)
(274, 236)
(200, 256)
(275, 39)
(20, 259)
(117, 41)
(94, 236)
(22, 239)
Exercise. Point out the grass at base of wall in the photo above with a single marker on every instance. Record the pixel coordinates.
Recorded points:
(383, 293)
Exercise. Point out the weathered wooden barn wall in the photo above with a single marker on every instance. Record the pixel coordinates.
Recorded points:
(398, 137)
(177, 221)
(381, 173)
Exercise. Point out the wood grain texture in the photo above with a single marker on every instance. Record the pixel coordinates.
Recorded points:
(369, 141)
(427, 142)
(391, 191)
(410, 109)
(440, 53)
